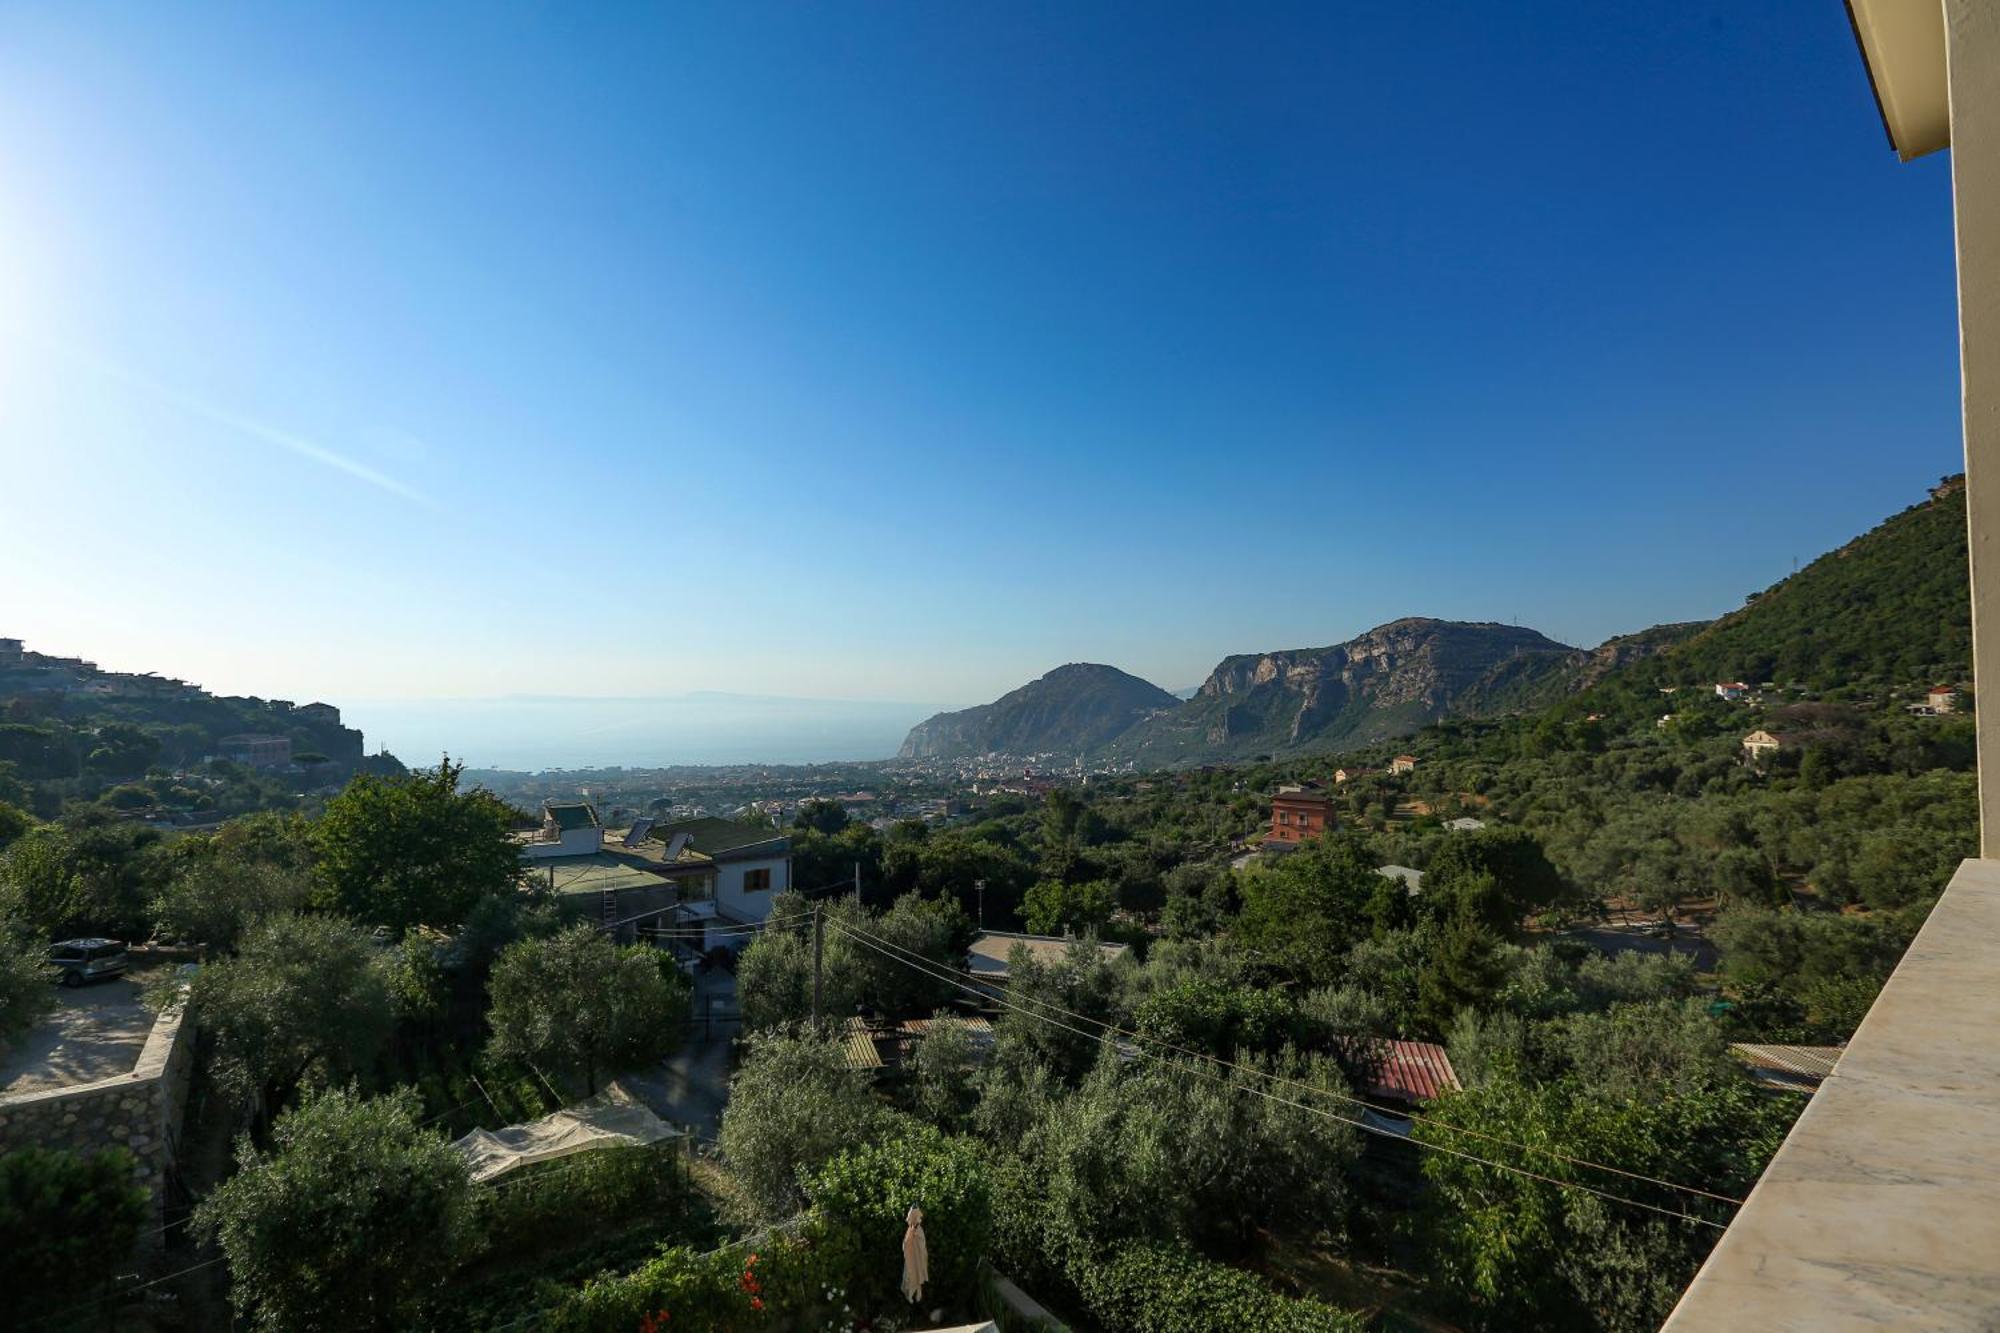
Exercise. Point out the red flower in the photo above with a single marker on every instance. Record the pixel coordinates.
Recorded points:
(655, 1322)
(756, 1303)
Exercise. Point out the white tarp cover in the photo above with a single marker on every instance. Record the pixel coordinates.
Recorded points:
(614, 1116)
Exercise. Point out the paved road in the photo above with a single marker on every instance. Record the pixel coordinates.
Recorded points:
(692, 1087)
(96, 1031)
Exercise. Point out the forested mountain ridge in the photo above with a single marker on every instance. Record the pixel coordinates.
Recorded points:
(1534, 681)
(1076, 707)
(1891, 607)
(1386, 682)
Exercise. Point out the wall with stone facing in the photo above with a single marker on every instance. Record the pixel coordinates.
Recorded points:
(139, 1111)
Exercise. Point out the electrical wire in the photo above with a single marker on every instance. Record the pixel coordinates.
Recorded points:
(1321, 1111)
(1357, 1101)
(120, 1294)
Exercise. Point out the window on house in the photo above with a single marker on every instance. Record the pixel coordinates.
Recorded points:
(756, 881)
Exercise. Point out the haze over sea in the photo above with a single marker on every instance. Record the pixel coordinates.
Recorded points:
(705, 727)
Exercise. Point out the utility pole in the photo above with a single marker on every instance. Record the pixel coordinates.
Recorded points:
(979, 888)
(819, 949)
(857, 884)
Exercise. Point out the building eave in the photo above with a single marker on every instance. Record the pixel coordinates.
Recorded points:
(1903, 49)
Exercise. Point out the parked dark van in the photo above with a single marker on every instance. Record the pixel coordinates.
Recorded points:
(77, 961)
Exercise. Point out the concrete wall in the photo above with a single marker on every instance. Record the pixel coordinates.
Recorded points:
(570, 842)
(139, 1111)
(1972, 50)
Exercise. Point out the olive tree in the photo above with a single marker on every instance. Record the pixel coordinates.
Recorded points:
(353, 1213)
(579, 1004)
(305, 995)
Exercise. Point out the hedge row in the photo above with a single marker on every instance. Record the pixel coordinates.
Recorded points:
(1154, 1288)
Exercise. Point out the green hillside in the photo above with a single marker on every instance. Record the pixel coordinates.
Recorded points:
(1892, 607)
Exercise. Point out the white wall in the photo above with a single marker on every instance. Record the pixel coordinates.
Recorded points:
(733, 898)
(574, 842)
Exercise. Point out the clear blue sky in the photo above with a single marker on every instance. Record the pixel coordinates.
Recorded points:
(906, 351)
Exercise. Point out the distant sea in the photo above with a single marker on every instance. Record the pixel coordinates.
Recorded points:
(529, 732)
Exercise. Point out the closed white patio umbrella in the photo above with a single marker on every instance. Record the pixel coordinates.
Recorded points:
(916, 1256)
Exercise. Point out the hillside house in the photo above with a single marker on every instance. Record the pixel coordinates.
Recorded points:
(1298, 813)
(320, 712)
(731, 873)
(1758, 744)
(625, 883)
(1732, 690)
(1344, 775)
(1465, 824)
(1403, 763)
(257, 751)
(1941, 699)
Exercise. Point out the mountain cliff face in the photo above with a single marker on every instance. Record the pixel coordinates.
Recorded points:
(1082, 706)
(1387, 682)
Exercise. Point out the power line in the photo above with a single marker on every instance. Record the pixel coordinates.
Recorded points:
(1357, 1101)
(1321, 1111)
(121, 1293)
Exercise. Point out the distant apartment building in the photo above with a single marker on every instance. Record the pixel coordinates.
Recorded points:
(10, 652)
(1298, 813)
(257, 751)
(319, 712)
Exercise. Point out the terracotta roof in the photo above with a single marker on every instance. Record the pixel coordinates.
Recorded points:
(1407, 1071)
(889, 1045)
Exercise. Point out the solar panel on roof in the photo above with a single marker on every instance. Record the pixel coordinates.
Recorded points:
(640, 828)
(678, 845)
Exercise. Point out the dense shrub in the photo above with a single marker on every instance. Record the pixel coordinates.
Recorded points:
(1161, 1288)
(861, 1199)
(67, 1222)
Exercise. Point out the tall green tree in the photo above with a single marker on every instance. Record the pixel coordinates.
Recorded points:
(402, 852)
(353, 1214)
(793, 1106)
(211, 902)
(579, 1004)
(1302, 915)
(303, 996)
(14, 821)
(24, 983)
(1054, 907)
(1521, 1252)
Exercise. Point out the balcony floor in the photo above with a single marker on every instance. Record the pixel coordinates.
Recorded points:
(1882, 1208)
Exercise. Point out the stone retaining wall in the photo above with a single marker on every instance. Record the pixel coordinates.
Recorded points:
(139, 1111)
